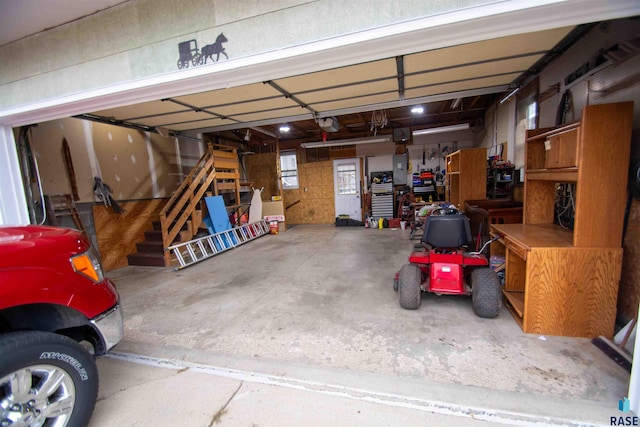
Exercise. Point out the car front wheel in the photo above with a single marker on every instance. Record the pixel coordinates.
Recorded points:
(45, 379)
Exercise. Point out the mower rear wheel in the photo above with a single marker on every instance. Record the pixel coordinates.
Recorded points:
(409, 281)
(486, 297)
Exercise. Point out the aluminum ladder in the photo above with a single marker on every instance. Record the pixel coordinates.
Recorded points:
(196, 250)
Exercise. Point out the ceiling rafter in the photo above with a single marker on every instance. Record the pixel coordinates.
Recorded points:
(290, 96)
(400, 74)
(473, 63)
(197, 109)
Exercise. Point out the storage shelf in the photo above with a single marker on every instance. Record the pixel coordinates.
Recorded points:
(516, 300)
(466, 177)
(496, 185)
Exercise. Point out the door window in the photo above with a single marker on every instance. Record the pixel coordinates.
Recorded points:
(347, 179)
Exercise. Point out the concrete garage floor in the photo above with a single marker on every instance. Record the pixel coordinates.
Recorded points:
(311, 315)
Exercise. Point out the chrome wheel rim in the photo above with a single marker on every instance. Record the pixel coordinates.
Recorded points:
(36, 394)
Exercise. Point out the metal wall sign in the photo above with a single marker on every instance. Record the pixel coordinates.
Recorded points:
(190, 54)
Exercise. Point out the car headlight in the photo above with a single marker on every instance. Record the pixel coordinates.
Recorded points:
(88, 265)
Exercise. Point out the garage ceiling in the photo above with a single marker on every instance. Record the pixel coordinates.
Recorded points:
(475, 73)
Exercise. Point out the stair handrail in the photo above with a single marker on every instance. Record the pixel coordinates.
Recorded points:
(184, 201)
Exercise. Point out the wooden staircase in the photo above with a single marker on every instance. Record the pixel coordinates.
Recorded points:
(150, 252)
(218, 170)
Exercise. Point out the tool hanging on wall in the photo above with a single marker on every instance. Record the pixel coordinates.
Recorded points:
(70, 172)
(103, 192)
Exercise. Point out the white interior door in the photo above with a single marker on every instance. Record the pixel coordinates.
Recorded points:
(346, 184)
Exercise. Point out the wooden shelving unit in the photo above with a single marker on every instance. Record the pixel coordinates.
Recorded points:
(560, 281)
(499, 182)
(466, 177)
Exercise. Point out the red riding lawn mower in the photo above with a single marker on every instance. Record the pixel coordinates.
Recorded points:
(442, 265)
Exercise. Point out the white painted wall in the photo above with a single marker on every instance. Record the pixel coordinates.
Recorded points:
(500, 122)
(13, 205)
(436, 144)
(602, 37)
(500, 128)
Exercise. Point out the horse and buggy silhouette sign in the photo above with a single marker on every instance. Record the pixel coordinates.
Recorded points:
(189, 54)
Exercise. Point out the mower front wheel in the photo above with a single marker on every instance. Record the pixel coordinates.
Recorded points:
(486, 297)
(409, 281)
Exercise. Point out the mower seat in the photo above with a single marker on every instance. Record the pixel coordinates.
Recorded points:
(446, 231)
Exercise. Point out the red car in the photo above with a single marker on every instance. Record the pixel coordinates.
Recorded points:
(57, 311)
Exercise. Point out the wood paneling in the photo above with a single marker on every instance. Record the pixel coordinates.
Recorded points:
(312, 202)
(605, 140)
(538, 208)
(117, 234)
(261, 170)
(571, 292)
(316, 198)
(516, 271)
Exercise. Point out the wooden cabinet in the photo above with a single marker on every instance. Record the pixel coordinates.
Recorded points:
(562, 150)
(560, 281)
(466, 177)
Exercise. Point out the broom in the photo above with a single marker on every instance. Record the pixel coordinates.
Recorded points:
(617, 352)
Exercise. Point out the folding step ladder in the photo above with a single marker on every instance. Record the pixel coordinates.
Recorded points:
(196, 250)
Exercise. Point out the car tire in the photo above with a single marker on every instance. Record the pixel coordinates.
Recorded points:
(46, 376)
(486, 296)
(409, 281)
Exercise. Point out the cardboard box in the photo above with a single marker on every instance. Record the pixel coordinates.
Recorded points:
(273, 208)
(274, 211)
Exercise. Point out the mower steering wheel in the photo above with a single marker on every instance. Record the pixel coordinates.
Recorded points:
(445, 211)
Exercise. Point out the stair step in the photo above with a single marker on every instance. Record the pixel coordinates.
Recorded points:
(150, 247)
(153, 236)
(146, 259)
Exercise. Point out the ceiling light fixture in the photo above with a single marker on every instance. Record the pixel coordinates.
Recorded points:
(441, 129)
(354, 141)
(418, 109)
(456, 102)
(284, 128)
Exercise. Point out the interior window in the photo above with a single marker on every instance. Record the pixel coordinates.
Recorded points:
(289, 170)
